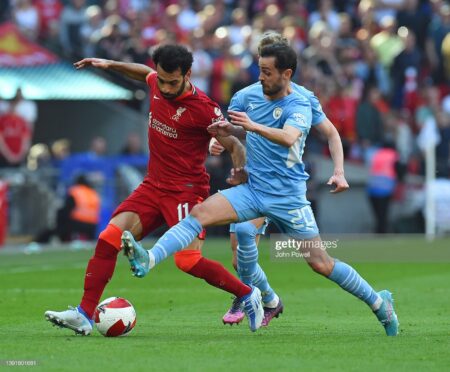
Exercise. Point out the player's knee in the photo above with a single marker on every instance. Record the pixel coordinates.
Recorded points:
(321, 267)
(187, 259)
(112, 236)
(246, 233)
(199, 212)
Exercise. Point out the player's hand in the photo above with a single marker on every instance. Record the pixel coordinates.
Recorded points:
(94, 62)
(221, 128)
(237, 176)
(340, 182)
(215, 148)
(241, 119)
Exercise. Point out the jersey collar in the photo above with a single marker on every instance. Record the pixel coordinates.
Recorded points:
(190, 92)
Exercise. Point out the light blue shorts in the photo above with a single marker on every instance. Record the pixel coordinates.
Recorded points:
(292, 214)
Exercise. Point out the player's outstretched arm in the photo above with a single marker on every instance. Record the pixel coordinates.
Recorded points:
(235, 148)
(225, 128)
(134, 71)
(327, 129)
(286, 136)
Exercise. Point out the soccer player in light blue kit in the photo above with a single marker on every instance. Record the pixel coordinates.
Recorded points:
(277, 123)
(245, 236)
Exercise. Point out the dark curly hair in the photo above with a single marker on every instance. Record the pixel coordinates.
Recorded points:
(172, 58)
(285, 56)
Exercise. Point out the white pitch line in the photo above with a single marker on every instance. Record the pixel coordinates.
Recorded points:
(39, 290)
(29, 269)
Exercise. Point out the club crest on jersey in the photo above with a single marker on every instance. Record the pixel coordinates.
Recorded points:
(180, 111)
(277, 112)
(217, 111)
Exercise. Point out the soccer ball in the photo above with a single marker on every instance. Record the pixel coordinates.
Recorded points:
(115, 317)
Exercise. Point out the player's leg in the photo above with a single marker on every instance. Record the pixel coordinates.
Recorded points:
(218, 209)
(136, 214)
(351, 281)
(99, 271)
(250, 272)
(259, 223)
(233, 245)
(101, 266)
(249, 269)
(191, 261)
(296, 218)
(235, 313)
(174, 208)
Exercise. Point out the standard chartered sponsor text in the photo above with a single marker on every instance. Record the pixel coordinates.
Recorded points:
(164, 129)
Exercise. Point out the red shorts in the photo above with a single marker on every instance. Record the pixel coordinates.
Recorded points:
(156, 207)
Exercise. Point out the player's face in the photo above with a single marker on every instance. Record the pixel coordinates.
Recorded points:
(273, 81)
(171, 84)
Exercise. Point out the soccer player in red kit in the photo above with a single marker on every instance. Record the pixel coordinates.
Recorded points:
(176, 180)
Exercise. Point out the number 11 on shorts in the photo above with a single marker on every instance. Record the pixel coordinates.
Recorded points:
(183, 210)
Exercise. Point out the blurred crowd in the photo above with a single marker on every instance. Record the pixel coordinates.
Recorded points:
(381, 68)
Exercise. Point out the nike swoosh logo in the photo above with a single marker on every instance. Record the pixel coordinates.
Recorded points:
(156, 97)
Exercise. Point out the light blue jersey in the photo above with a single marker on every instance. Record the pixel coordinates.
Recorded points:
(316, 109)
(272, 168)
(318, 116)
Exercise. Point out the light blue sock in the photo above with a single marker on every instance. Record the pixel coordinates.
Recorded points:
(260, 281)
(175, 239)
(348, 279)
(247, 256)
(246, 264)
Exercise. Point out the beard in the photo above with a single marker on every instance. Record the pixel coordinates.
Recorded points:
(275, 89)
(177, 94)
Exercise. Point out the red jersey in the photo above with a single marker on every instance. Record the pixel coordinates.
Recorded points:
(15, 136)
(177, 138)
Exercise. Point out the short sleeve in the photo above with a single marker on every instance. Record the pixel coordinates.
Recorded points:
(236, 103)
(318, 115)
(151, 79)
(213, 113)
(300, 116)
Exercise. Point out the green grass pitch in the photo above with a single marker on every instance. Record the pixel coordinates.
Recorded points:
(179, 323)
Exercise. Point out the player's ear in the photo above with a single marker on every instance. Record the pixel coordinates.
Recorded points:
(287, 74)
(188, 75)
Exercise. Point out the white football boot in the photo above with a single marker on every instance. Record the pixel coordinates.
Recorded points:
(74, 319)
(253, 308)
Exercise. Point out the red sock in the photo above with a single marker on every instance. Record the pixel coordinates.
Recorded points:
(215, 274)
(100, 268)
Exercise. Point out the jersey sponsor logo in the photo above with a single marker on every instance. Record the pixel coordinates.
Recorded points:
(299, 118)
(277, 112)
(180, 111)
(217, 120)
(162, 128)
(251, 106)
(219, 116)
